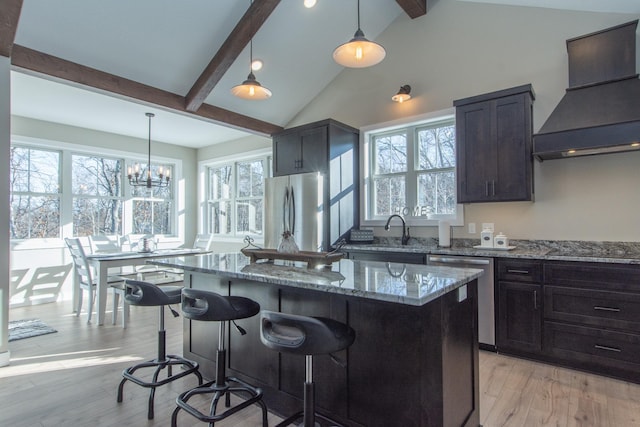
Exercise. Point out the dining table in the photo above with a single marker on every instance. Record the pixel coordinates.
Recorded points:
(102, 262)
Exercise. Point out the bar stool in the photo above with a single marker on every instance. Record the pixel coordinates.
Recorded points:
(148, 294)
(211, 307)
(308, 336)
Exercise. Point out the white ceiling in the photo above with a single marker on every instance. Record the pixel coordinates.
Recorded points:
(166, 44)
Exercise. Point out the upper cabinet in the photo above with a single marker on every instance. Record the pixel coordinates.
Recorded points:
(299, 151)
(493, 146)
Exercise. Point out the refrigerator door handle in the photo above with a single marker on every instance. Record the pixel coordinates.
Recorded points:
(285, 210)
(292, 212)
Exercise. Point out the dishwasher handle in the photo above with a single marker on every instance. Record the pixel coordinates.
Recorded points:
(450, 260)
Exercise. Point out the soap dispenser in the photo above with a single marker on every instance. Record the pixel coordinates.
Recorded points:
(486, 238)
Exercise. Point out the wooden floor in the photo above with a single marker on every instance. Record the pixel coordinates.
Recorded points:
(70, 378)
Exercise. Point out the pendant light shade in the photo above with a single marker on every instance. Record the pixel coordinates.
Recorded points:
(251, 89)
(359, 52)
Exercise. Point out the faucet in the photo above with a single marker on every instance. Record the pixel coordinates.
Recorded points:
(405, 229)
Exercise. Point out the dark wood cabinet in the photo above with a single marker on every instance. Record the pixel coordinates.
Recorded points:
(409, 365)
(519, 306)
(331, 148)
(493, 146)
(312, 147)
(592, 317)
(300, 151)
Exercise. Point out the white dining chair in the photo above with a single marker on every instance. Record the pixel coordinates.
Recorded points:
(86, 282)
(203, 241)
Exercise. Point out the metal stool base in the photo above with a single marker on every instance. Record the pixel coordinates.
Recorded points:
(128, 374)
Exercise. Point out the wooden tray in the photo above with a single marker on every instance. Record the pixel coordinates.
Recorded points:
(312, 259)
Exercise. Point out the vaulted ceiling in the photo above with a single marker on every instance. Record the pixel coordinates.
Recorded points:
(102, 64)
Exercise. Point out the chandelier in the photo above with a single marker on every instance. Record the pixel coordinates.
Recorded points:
(135, 174)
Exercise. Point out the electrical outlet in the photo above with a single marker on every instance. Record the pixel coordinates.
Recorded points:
(487, 226)
(472, 228)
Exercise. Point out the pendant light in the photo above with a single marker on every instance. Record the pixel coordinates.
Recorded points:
(359, 52)
(250, 88)
(144, 178)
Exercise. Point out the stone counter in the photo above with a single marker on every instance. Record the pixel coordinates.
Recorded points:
(560, 250)
(405, 284)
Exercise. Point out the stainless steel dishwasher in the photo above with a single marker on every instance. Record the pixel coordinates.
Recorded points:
(486, 304)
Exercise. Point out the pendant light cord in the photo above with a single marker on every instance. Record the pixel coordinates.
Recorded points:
(149, 148)
(358, 14)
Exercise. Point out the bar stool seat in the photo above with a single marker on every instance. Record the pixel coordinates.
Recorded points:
(149, 294)
(308, 336)
(208, 306)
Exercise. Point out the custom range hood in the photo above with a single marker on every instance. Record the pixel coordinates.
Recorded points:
(600, 112)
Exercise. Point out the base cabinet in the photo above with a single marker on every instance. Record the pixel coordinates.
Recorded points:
(577, 314)
(519, 305)
(409, 366)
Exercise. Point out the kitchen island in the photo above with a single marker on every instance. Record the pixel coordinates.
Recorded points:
(415, 358)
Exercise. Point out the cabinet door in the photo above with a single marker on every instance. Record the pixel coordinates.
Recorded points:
(513, 152)
(287, 154)
(300, 152)
(313, 143)
(520, 316)
(476, 152)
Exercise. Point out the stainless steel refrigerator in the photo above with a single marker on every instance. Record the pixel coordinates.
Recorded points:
(294, 203)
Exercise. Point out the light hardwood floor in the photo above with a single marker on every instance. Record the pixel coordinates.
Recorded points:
(70, 378)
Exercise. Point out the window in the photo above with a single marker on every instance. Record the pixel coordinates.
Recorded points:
(90, 195)
(153, 208)
(410, 170)
(96, 184)
(35, 193)
(235, 198)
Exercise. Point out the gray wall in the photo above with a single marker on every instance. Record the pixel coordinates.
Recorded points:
(461, 49)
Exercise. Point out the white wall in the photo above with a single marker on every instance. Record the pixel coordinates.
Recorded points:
(461, 49)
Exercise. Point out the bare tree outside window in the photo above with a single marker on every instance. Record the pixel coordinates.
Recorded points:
(34, 193)
(235, 198)
(153, 207)
(413, 171)
(97, 195)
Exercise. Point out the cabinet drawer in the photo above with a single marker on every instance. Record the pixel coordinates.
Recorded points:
(590, 307)
(519, 271)
(592, 346)
(610, 277)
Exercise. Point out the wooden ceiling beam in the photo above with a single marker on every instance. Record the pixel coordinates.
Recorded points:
(244, 31)
(9, 16)
(413, 8)
(43, 63)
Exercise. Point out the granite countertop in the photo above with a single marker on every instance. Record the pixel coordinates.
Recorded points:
(409, 284)
(607, 252)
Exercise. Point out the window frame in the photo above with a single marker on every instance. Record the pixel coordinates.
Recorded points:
(264, 155)
(67, 150)
(367, 133)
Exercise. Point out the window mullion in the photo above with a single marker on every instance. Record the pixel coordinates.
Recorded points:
(411, 180)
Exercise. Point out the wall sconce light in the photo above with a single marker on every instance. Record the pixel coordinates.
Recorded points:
(403, 94)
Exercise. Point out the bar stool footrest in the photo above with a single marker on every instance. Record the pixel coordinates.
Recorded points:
(219, 391)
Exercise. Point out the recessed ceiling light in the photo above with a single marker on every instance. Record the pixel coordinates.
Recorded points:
(309, 3)
(256, 64)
